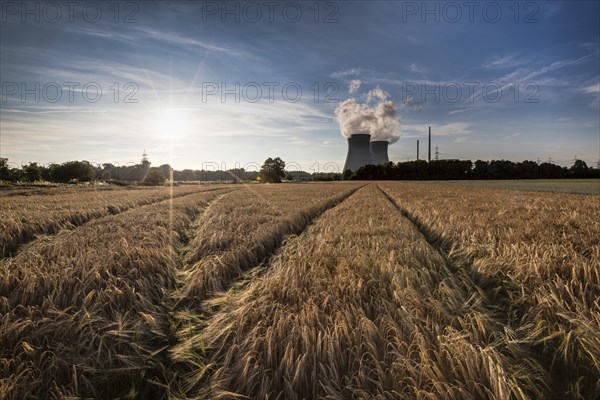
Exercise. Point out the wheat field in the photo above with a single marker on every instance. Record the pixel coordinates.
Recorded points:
(349, 290)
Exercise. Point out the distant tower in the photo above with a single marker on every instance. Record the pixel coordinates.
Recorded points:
(437, 154)
(429, 153)
(145, 160)
(379, 152)
(417, 149)
(359, 152)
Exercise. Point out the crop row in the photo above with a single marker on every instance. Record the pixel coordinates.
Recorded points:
(359, 305)
(23, 217)
(537, 256)
(239, 233)
(82, 311)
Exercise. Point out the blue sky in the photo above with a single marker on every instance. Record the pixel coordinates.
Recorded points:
(494, 81)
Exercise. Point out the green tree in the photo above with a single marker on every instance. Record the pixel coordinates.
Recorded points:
(273, 170)
(106, 175)
(154, 178)
(33, 172)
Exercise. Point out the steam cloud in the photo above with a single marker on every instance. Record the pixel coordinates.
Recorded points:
(377, 117)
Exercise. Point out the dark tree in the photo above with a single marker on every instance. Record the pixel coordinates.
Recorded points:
(273, 170)
(154, 178)
(551, 171)
(4, 171)
(33, 172)
(579, 169)
(80, 171)
(166, 170)
(347, 174)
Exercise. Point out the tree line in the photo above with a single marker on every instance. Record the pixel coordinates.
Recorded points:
(273, 170)
(466, 169)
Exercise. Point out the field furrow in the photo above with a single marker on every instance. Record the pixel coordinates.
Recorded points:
(358, 306)
(278, 216)
(25, 216)
(240, 233)
(537, 259)
(83, 312)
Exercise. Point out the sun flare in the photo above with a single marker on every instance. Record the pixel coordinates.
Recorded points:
(171, 123)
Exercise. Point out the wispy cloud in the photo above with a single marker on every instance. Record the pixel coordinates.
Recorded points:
(181, 40)
(512, 135)
(346, 73)
(459, 111)
(524, 75)
(413, 104)
(592, 89)
(509, 61)
(450, 129)
(416, 68)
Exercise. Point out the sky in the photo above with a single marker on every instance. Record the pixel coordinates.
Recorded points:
(207, 84)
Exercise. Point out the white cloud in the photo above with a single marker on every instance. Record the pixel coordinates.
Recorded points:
(415, 68)
(354, 86)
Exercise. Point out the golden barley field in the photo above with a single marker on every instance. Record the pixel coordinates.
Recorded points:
(348, 290)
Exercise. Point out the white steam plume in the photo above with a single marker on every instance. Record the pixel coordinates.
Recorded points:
(380, 119)
(354, 118)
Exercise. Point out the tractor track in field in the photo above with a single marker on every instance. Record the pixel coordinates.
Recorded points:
(311, 216)
(203, 312)
(263, 251)
(496, 295)
(168, 375)
(77, 221)
(497, 302)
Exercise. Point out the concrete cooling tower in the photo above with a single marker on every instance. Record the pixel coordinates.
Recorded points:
(379, 152)
(359, 152)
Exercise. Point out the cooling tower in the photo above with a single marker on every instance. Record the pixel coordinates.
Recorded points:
(379, 152)
(359, 152)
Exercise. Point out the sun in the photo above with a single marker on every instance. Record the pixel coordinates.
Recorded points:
(171, 123)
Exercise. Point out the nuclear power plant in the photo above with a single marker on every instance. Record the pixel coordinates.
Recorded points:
(379, 152)
(375, 120)
(359, 151)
